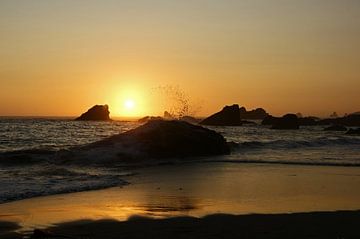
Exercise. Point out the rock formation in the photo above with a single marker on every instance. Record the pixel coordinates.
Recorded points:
(349, 120)
(97, 112)
(228, 116)
(158, 139)
(257, 114)
(288, 121)
(308, 121)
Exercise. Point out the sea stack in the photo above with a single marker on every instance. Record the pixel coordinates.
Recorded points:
(228, 116)
(97, 112)
(288, 121)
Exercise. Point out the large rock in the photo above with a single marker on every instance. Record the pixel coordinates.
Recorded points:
(288, 121)
(270, 120)
(308, 121)
(228, 116)
(349, 120)
(257, 114)
(97, 112)
(157, 139)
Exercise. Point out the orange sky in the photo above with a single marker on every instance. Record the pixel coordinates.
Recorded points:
(59, 58)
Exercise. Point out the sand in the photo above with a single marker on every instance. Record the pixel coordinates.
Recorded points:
(193, 191)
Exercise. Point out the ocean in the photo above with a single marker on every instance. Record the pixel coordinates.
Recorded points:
(28, 144)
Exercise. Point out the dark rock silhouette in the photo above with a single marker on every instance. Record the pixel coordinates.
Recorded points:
(353, 131)
(349, 120)
(160, 139)
(149, 118)
(97, 112)
(336, 128)
(288, 121)
(308, 121)
(257, 114)
(270, 120)
(228, 116)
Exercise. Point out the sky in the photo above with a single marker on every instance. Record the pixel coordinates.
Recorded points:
(58, 58)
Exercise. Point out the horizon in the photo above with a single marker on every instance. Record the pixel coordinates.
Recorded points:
(60, 58)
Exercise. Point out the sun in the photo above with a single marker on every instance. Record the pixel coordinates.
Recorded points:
(129, 104)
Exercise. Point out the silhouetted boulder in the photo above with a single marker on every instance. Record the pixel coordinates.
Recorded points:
(228, 116)
(257, 114)
(149, 118)
(270, 120)
(353, 131)
(336, 128)
(97, 112)
(349, 120)
(288, 121)
(160, 139)
(308, 121)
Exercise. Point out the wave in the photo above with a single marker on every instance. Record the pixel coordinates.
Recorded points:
(40, 181)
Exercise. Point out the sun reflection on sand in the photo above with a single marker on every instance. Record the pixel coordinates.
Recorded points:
(162, 192)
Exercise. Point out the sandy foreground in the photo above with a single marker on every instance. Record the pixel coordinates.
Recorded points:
(202, 200)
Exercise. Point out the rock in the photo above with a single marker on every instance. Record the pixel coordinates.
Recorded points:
(158, 139)
(270, 120)
(97, 112)
(353, 131)
(288, 121)
(349, 120)
(257, 114)
(336, 128)
(228, 116)
(149, 118)
(308, 121)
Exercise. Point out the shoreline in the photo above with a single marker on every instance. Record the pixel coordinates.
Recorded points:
(208, 188)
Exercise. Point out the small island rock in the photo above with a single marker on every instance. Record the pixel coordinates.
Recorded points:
(97, 112)
(228, 116)
(288, 121)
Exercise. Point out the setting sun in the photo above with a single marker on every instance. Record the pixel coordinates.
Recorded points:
(129, 104)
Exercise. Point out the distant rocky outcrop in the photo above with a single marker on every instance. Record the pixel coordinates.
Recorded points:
(288, 121)
(257, 114)
(349, 120)
(159, 139)
(269, 120)
(336, 128)
(97, 112)
(353, 131)
(228, 116)
(308, 121)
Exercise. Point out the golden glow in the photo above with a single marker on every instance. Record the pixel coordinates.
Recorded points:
(254, 53)
(129, 104)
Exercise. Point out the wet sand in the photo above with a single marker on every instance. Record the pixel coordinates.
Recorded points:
(201, 189)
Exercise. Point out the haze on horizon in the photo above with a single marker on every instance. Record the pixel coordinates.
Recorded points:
(59, 58)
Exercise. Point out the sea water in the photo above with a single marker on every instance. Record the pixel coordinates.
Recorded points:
(27, 144)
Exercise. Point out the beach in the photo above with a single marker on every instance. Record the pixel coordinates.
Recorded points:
(198, 190)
